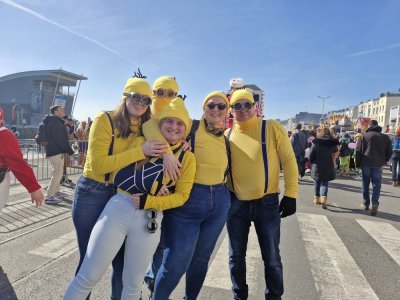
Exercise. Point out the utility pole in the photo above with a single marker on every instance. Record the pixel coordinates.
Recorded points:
(323, 105)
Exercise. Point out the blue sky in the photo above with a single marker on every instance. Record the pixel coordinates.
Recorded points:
(293, 50)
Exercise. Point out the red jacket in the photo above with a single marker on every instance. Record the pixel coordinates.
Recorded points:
(11, 157)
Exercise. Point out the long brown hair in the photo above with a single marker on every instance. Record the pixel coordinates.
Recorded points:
(122, 120)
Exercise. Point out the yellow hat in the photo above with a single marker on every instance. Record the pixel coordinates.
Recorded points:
(137, 85)
(215, 94)
(246, 94)
(176, 109)
(166, 82)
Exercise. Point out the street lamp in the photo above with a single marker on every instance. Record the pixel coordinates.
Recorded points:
(323, 105)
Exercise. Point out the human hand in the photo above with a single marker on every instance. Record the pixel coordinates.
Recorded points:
(136, 200)
(163, 191)
(287, 206)
(37, 197)
(154, 148)
(186, 146)
(171, 166)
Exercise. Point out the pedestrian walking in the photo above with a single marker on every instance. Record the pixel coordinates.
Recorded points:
(344, 155)
(133, 214)
(299, 144)
(11, 159)
(322, 154)
(396, 159)
(254, 190)
(57, 148)
(373, 151)
(201, 219)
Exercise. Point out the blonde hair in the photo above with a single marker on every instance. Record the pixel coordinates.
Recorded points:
(325, 133)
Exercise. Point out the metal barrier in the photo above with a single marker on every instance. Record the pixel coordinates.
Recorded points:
(35, 156)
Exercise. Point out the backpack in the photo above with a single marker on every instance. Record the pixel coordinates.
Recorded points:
(344, 146)
(41, 137)
(396, 144)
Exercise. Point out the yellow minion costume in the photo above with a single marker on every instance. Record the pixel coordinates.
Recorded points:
(166, 83)
(246, 149)
(125, 150)
(149, 177)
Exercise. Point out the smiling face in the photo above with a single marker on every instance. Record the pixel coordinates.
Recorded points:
(212, 112)
(135, 109)
(172, 129)
(244, 114)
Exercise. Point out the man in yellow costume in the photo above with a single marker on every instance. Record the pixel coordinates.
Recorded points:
(258, 147)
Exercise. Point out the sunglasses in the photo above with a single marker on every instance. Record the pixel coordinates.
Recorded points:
(211, 106)
(165, 93)
(151, 225)
(240, 106)
(138, 98)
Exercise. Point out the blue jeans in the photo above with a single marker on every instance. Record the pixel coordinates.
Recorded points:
(321, 188)
(264, 213)
(191, 232)
(90, 199)
(395, 165)
(374, 175)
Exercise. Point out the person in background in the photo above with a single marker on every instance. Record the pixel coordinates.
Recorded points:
(396, 159)
(299, 142)
(11, 159)
(322, 153)
(254, 190)
(131, 217)
(15, 131)
(82, 142)
(373, 151)
(110, 137)
(344, 155)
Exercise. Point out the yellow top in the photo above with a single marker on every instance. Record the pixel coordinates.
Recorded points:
(211, 157)
(126, 150)
(183, 186)
(209, 150)
(247, 159)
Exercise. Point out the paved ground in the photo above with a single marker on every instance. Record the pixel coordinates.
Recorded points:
(338, 253)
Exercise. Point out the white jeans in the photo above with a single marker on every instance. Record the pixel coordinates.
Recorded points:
(119, 222)
(4, 190)
(57, 168)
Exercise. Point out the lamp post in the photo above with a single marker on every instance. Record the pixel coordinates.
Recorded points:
(323, 105)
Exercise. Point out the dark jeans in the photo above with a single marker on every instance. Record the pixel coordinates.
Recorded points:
(191, 232)
(264, 213)
(395, 165)
(300, 165)
(320, 188)
(90, 199)
(374, 175)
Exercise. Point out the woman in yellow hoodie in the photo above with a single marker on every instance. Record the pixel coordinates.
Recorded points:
(113, 144)
(133, 214)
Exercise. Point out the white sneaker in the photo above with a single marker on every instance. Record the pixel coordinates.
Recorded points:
(53, 200)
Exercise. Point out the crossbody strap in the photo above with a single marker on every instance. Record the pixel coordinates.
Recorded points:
(264, 151)
(110, 150)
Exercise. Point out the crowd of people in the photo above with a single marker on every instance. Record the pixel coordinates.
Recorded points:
(158, 187)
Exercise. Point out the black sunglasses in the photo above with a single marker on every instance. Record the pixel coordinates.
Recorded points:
(165, 93)
(240, 106)
(151, 225)
(211, 106)
(138, 98)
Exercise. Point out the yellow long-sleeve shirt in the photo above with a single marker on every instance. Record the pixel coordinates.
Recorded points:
(209, 150)
(126, 150)
(247, 160)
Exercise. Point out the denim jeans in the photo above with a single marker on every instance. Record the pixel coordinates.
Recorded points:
(191, 232)
(90, 199)
(321, 188)
(395, 165)
(118, 222)
(264, 213)
(374, 175)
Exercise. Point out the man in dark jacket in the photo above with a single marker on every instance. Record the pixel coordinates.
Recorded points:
(299, 142)
(373, 151)
(57, 146)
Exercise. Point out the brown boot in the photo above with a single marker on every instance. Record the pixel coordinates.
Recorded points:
(364, 207)
(317, 200)
(394, 183)
(324, 201)
(374, 210)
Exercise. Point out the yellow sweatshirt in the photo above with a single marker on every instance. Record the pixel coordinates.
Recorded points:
(209, 150)
(183, 186)
(126, 150)
(247, 160)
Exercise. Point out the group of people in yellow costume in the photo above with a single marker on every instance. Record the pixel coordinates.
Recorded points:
(158, 188)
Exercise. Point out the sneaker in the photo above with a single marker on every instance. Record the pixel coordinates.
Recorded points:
(364, 206)
(61, 194)
(53, 200)
(374, 210)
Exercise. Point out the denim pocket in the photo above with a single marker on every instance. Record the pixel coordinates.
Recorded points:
(271, 200)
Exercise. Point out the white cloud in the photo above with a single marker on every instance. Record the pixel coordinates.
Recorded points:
(397, 45)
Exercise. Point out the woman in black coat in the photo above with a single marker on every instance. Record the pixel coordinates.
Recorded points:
(323, 168)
